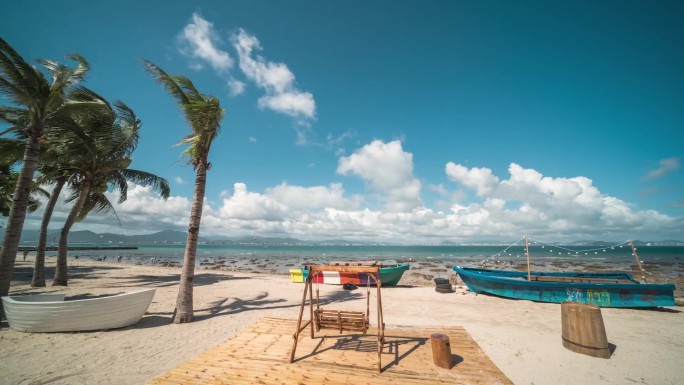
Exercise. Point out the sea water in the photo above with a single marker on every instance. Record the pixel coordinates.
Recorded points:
(666, 259)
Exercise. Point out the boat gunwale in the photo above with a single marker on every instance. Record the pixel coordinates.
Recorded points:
(11, 298)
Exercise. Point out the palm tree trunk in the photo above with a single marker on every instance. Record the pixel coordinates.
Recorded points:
(15, 222)
(184, 310)
(39, 265)
(61, 269)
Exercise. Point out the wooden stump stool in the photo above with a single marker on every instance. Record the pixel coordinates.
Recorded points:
(441, 350)
(583, 329)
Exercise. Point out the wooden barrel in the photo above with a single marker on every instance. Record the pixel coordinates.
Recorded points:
(583, 329)
(441, 350)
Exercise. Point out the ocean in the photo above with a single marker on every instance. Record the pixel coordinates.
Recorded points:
(665, 259)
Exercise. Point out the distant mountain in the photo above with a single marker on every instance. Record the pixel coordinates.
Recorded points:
(87, 236)
(179, 237)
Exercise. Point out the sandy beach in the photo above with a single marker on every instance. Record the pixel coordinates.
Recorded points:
(523, 338)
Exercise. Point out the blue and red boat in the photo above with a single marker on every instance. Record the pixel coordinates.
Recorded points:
(601, 289)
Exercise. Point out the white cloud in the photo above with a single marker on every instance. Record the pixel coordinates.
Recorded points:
(199, 41)
(293, 103)
(179, 180)
(387, 168)
(235, 86)
(505, 208)
(667, 165)
(252, 139)
(546, 204)
(439, 189)
(275, 78)
(479, 179)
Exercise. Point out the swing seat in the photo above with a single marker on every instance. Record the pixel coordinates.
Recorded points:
(351, 321)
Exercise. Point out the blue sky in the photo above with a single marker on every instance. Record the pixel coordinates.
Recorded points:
(394, 121)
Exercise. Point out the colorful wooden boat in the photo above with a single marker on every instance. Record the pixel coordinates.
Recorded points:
(601, 289)
(389, 275)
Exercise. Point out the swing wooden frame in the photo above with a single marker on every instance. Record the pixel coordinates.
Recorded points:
(340, 320)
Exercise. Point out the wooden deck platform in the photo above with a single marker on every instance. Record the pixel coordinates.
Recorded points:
(260, 355)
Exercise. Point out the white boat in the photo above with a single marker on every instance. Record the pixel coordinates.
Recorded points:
(51, 313)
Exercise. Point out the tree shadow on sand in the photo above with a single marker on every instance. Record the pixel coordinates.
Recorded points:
(261, 301)
(24, 274)
(146, 280)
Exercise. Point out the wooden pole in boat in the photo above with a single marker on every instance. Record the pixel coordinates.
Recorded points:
(527, 251)
(643, 272)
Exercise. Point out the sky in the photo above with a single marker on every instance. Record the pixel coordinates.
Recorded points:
(392, 121)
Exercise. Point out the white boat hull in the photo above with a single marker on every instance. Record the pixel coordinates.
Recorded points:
(50, 313)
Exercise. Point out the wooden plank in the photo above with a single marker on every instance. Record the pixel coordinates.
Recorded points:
(260, 355)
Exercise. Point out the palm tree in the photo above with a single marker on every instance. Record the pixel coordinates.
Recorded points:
(204, 115)
(51, 173)
(27, 86)
(11, 151)
(104, 142)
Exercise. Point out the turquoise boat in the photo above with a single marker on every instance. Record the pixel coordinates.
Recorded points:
(389, 276)
(601, 289)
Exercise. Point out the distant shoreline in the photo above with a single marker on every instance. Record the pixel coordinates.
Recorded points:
(54, 248)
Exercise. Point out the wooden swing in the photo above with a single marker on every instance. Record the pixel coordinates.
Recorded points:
(340, 320)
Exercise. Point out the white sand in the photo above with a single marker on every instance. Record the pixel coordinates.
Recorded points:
(521, 337)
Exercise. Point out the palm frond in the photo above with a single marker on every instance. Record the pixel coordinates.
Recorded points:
(120, 184)
(81, 69)
(147, 179)
(15, 70)
(12, 92)
(11, 151)
(168, 81)
(97, 203)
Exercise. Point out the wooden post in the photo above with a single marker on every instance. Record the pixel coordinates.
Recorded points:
(527, 251)
(299, 322)
(583, 329)
(311, 311)
(641, 269)
(441, 350)
(381, 321)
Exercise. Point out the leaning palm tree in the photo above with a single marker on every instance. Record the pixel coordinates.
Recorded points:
(26, 86)
(104, 141)
(51, 173)
(204, 114)
(11, 151)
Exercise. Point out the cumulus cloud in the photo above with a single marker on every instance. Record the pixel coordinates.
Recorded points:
(530, 201)
(387, 168)
(199, 41)
(477, 205)
(479, 179)
(666, 166)
(235, 86)
(275, 78)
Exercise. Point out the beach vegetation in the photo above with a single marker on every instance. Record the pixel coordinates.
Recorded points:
(27, 88)
(204, 114)
(100, 142)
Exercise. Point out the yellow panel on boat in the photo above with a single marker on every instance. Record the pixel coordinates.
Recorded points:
(297, 275)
